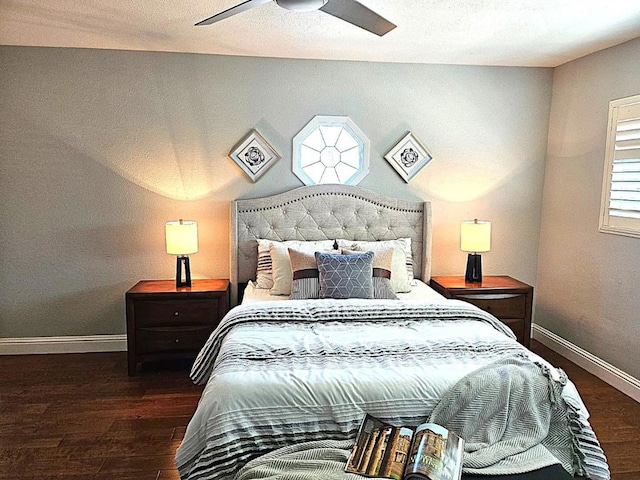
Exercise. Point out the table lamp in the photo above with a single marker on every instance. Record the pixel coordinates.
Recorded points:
(475, 237)
(182, 240)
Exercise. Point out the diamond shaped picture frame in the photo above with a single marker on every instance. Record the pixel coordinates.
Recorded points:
(254, 155)
(408, 157)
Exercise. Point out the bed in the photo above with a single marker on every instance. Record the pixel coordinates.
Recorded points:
(280, 372)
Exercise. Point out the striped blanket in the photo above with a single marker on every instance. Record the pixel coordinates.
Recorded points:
(282, 373)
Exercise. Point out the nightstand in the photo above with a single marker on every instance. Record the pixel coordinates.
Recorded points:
(165, 322)
(504, 297)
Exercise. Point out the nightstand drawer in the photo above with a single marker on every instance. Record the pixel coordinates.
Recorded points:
(175, 312)
(500, 305)
(167, 339)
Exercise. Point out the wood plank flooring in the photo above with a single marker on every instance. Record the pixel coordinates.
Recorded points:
(80, 417)
(615, 417)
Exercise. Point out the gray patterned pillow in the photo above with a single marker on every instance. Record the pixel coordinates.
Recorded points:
(382, 261)
(402, 260)
(345, 276)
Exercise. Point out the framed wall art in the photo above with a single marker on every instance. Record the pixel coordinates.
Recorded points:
(254, 155)
(408, 157)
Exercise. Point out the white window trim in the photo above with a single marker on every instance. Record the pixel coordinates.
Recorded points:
(331, 121)
(621, 110)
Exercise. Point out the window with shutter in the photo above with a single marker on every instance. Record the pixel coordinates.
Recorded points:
(620, 206)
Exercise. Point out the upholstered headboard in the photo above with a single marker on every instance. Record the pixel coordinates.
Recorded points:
(322, 212)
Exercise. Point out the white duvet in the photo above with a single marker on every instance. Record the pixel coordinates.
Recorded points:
(279, 373)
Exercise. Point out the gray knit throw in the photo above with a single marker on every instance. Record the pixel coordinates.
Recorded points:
(315, 460)
(512, 418)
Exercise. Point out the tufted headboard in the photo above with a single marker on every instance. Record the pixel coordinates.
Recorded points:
(322, 212)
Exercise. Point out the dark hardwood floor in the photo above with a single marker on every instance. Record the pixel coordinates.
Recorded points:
(615, 417)
(80, 416)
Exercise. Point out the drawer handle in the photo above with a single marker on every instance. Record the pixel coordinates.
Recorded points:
(177, 340)
(175, 314)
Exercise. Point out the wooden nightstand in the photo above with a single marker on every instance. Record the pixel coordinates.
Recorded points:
(504, 297)
(165, 322)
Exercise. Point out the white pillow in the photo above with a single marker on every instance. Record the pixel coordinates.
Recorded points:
(402, 261)
(264, 273)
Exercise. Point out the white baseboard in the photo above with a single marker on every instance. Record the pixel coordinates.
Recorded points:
(70, 344)
(604, 371)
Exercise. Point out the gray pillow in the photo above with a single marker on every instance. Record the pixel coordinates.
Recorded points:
(402, 260)
(345, 276)
(382, 261)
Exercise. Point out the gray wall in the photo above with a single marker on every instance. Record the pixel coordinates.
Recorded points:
(588, 282)
(99, 148)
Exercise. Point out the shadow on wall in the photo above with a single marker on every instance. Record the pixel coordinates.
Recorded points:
(152, 130)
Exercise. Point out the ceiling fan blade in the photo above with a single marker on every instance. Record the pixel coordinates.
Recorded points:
(246, 5)
(357, 14)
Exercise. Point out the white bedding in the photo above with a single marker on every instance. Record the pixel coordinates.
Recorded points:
(281, 372)
(419, 291)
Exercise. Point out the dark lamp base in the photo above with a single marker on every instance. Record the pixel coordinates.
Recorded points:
(182, 263)
(474, 268)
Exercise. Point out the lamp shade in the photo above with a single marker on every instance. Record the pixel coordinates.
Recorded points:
(181, 237)
(475, 236)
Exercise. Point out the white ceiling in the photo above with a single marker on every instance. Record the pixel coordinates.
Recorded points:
(474, 32)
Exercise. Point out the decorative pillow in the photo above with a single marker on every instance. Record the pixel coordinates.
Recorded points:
(305, 276)
(264, 278)
(264, 272)
(345, 276)
(408, 258)
(382, 261)
(281, 271)
(402, 262)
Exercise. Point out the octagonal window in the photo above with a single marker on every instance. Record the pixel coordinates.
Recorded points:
(331, 150)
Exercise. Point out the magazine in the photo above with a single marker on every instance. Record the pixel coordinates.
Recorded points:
(428, 452)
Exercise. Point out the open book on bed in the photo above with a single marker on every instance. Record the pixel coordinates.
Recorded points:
(428, 452)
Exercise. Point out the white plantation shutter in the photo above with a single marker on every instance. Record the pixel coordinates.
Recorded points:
(620, 209)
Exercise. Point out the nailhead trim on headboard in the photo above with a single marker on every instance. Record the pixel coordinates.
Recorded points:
(323, 212)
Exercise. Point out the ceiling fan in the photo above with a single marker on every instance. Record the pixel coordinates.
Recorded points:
(350, 11)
